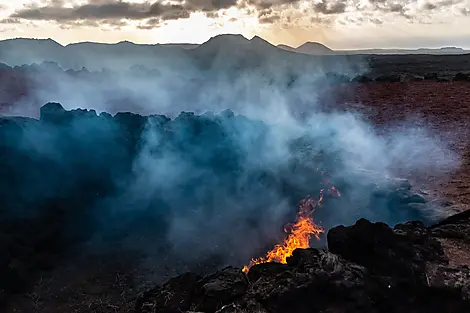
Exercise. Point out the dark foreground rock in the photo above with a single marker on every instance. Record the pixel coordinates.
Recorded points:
(369, 267)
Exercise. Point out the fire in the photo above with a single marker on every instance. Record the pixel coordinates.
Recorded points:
(298, 234)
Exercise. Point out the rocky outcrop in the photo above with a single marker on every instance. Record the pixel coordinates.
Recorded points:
(76, 175)
(369, 267)
(461, 77)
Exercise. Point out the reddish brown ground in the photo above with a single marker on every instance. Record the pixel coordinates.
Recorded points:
(443, 107)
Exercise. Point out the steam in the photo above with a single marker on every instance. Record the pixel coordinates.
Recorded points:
(213, 184)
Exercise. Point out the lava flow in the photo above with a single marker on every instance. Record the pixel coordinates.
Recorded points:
(298, 234)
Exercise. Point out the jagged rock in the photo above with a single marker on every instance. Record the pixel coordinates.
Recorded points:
(461, 218)
(461, 77)
(362, 79)
(173, 297)
(399, 254)
(106, 115)
(52, 112)
(370, 268)
(220, 289)
(414, 198)
(315, 280)
(454, 227)
(452, 278)
(265, 269)
(430, 76)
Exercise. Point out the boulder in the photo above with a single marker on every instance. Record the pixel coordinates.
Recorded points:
(369, 268)
(400, 253)
(461, 77)
(174, 296)
(453, 279)
(52, 112)
(266, 269)
(430, 76)
(454, 227)
(313, 281)
(219, 289)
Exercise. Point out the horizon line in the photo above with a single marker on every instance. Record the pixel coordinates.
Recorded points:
(237, 34)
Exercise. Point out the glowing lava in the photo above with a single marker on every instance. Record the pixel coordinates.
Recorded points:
(298, 234)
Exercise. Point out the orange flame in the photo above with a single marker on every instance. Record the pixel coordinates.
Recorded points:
(299, 234)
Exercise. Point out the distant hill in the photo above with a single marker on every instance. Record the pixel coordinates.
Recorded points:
(177, 57)
(286, 47)
(224, 52)
(314, 48)
(428, 51)
(236, 43)
(91, 55)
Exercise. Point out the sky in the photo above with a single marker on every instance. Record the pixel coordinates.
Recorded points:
(340, 24)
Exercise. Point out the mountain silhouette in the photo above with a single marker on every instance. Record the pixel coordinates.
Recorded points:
(231, 43)
(177, 56)
(314, 48)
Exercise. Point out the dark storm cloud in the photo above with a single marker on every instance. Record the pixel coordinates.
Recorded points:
(387, 6)
(429, 6)
(150, 24)
(152, 14)
(330, 7)
(209, 5)
(102, 10)
(267, 4)
(268, 16)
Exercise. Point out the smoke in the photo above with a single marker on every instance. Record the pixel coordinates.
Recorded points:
(217, 186)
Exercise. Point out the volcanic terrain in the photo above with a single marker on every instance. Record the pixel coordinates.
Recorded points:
(350, 197)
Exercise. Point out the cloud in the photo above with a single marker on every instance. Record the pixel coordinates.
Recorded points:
(150, 24)
(326, 7)
(267, 4)
(98, 10)
(10, 21)
(152, 14)
(268, 16)
(376, 21)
